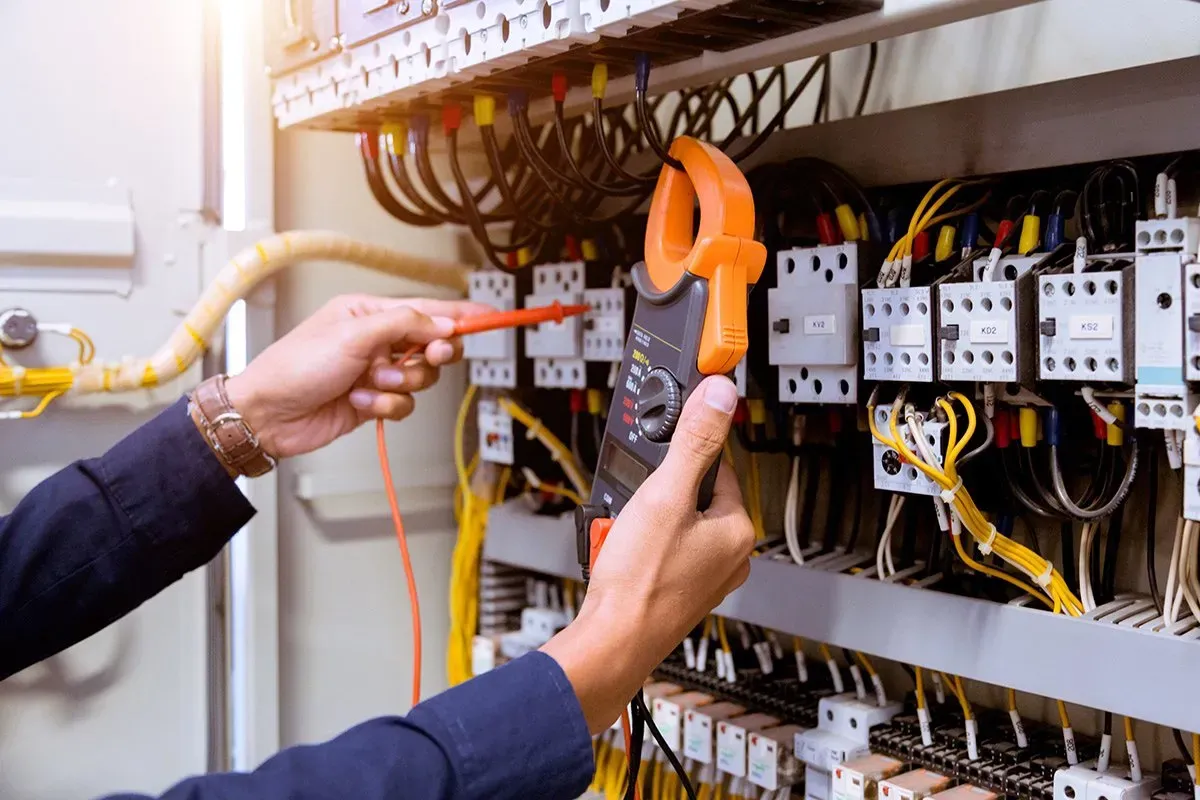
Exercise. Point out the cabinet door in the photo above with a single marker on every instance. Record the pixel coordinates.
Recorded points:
(108, 145)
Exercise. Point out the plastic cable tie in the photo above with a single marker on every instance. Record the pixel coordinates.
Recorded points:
(986, 547)
(1043, 580)
(948, 496)
(18, 378)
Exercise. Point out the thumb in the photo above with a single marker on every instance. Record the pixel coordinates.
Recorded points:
(701, 433)
(400, 324)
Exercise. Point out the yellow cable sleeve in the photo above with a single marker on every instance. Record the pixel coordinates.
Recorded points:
(235, 281)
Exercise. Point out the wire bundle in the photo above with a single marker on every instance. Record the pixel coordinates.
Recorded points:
(1052, 590)
(897, 267)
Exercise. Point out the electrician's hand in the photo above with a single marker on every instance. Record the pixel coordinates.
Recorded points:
(664, 565)
(336, 370)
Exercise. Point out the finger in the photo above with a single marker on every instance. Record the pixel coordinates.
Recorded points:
(699, 436)
(727, 493)
(391, 326)
(371, 404)
(443, 351)
(412, 377)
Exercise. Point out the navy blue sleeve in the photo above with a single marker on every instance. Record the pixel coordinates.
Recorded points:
(515, 732)
(96, 540)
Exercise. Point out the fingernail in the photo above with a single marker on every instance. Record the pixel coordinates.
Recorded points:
(445, 325)
(439, 352)
(389, 378)
(721, 394)
(361, 398)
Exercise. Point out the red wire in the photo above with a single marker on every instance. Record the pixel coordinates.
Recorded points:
(415, 605)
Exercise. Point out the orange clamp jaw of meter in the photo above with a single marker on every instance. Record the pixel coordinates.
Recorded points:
(723, 250)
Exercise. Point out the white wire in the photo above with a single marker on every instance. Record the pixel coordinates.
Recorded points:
(883, 555)
(1190, 585)
(1086, 541)
(790, 529)
(1170, 611)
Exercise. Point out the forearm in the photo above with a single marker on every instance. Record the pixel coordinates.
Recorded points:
(515, 732)
(96, 540)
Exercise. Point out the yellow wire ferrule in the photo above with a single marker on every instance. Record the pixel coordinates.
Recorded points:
(485, 110)
(599, 80)
(1028, 418)
(851, 231)
(395, 134)
(1031, 234)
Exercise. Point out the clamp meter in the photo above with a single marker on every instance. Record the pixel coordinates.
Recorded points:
(689, 322)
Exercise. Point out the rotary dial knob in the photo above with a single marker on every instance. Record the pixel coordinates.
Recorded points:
(659, 403)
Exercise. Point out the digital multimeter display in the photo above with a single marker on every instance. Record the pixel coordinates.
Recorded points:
(623, 467)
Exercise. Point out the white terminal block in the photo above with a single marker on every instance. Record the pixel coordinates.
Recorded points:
(496, 435)
(771, 759)
(843, 732)
(1162, 400)
(898, 334)
(893, 473)
(733, 740)
(616, 19)
(1191, 318)
(557, 347)
(814, 323)
(1085, 326)
(605, 325)
(493, 355)
(538, 626)
(700, 731)
(1180, 235)
(668, 715)
(1083, 782)
(985, 327)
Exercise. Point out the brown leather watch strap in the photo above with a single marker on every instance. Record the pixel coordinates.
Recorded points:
(228, 434)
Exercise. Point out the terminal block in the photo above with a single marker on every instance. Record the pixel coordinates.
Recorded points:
(605, 325)
(814, 316)
(897, 331)
(842, 733)
(772, 761)
(1191, 474)
(496, 441)
(557, 347)
(985, 327)
(892, 472)
(493, 355)
(1085, 326)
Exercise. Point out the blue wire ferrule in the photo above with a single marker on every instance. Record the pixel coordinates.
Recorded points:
(1055, 230)
(518, 101)
(641, 72)
(1052, 427)
(893, 226)
(873, 227)
(970, 231)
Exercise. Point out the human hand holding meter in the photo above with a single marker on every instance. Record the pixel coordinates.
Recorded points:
(665, 565)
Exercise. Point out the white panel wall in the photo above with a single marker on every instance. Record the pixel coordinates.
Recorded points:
(345, 636)
(93, 92)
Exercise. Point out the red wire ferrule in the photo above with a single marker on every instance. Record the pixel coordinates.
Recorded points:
(451, 117)
(558, 86)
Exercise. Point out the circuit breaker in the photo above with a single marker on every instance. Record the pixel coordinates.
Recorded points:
(898, 334)
(496, 442)
(892, 471)
(493, 355)
(985, 328)
(813, 324)
(1162, 399)
(1085, 326)
(557, 347)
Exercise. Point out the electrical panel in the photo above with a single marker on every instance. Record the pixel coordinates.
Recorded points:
(898, 334)
(1086, 326)
(892, 471)
(985, 327)
(557, 348)
(493, 355)
(814, 323)
(1162, 398)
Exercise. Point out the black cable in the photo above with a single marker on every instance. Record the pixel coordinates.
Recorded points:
(368, 148)
(1151, 526)
(491, 148)
(433, 185)
(404, 183)
(1112, 547)
(606, 151)
(581, 180)
(1108, 719)
(1184, 750)
(639, 702)
(781, 114)
(1066, 532)
(872, 58)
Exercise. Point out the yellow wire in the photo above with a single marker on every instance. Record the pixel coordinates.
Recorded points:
(1128, 729)
(558, 451)
(1196, 756)
(919, 679)
(1063, 717)
(754, 498)
(657, 794)
(956, 688)
(42, 405)
(561, 491)
(1012, 699)
(866, 663)
(824, 651)
(721, 635)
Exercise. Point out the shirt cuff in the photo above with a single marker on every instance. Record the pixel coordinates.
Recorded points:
(182, 503)
(517, 731)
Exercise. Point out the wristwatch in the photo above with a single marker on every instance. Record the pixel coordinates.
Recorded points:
(227, 432)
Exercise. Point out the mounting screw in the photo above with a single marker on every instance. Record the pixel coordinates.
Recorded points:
(18, 328)
(1164, 300)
